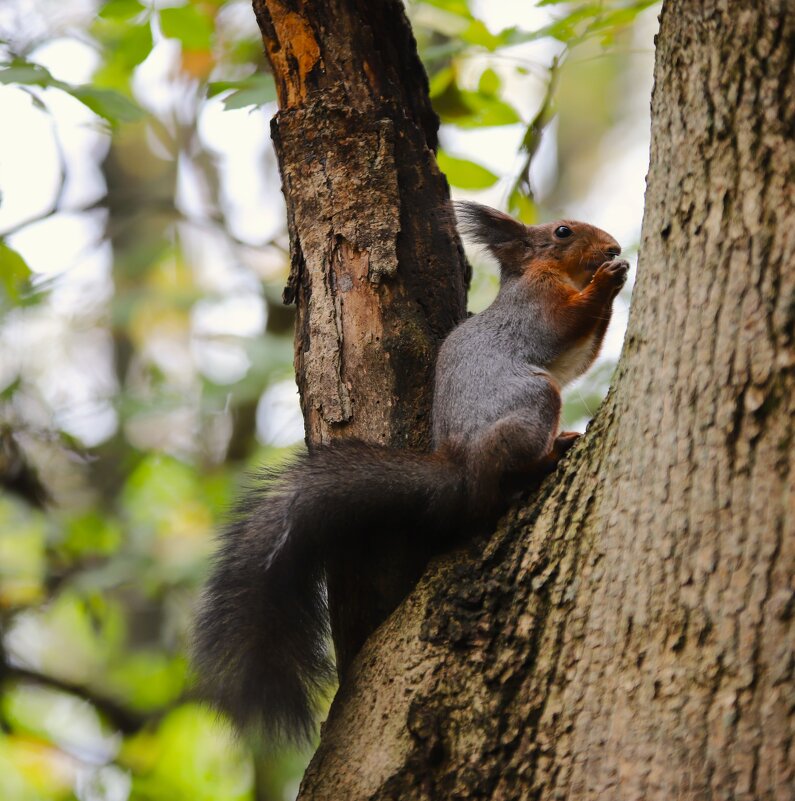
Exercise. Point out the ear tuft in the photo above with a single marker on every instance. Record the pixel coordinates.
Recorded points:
(505, 237)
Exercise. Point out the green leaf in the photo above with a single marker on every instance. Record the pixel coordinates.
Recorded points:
(441, 80)
(14, 273)
(613, 22)
(441, 21)
(443, 52)
(478, 34)
(584, 22)
(486, 112)
(107, 103)
(148, 679)
(190, 754)
(464, 173)
(120, 9)
(449, 103)
(489, 83)
(243, 51)
(91, 533)
(189, 25)
(255, 90)
(473, 109)
(125, 46)
(458, 7)
(523, 207)
(27, 74)
(569, 28)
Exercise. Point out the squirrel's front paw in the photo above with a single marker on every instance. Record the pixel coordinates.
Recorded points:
(613, 272)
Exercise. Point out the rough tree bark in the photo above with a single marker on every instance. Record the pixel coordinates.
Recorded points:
(629, 633)
(377, 268)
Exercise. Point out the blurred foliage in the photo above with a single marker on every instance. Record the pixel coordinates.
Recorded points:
(112, 106)
(142, 375)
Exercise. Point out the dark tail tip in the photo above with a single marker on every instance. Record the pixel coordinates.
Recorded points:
(259, 644)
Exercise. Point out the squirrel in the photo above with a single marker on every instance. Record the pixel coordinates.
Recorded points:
(261, 631)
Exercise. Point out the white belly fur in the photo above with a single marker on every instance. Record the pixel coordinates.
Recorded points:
(574, 362)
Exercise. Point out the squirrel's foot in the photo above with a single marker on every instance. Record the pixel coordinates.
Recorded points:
(563, 442)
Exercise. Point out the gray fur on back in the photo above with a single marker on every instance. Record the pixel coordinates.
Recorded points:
(493, 364)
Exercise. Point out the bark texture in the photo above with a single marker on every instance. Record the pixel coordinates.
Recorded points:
(629, 633)
(378, 274)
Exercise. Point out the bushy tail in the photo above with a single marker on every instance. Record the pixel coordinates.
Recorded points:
(261, 632)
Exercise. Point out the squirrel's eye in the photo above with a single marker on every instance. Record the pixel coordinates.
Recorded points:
(563, 231)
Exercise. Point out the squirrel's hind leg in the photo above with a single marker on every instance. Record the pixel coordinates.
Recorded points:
(523, 444)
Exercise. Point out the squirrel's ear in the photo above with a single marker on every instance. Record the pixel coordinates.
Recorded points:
(506, 238)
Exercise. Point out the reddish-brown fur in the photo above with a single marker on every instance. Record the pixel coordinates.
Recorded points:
(578, 286)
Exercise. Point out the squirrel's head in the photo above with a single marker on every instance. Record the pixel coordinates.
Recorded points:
(575, 248)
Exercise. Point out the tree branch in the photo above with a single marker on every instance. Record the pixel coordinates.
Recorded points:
(124, 719)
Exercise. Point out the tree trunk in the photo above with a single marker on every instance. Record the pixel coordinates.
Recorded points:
(377, 272)
(629, 633)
